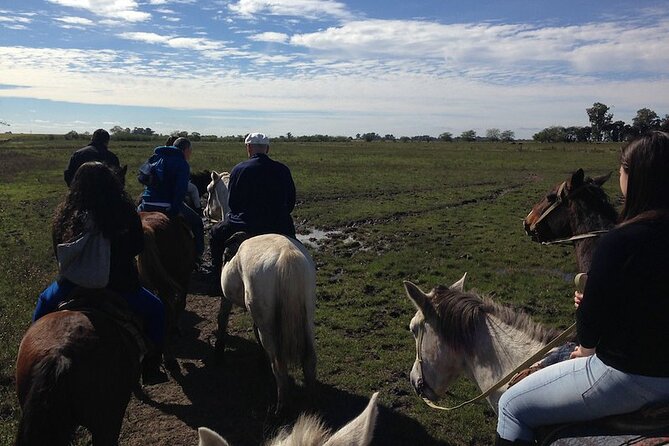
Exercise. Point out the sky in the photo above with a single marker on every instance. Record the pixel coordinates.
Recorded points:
(420, 67)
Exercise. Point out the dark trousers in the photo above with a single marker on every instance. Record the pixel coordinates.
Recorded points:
(142, 302)
(219, 233)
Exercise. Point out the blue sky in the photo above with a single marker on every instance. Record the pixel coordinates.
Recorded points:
(417, 67)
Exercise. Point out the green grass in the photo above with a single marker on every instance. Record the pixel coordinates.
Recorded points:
(425, 212)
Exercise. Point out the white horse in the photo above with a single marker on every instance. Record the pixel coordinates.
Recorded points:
(458, 332)
(217, 197)
(274, 278)
(309, 431)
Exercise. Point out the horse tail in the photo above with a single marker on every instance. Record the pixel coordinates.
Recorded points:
(294, 311)
(152, 270)
(46, 417)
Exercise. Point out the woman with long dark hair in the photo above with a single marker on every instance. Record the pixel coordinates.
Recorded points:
(622, 363)
(96, 198)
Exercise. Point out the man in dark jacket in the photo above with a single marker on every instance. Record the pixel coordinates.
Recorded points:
(167, 195)
(97, 150)
(261, 198)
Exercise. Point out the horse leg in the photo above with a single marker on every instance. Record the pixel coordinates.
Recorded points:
(309, 363)
(221, 333)
(280, 372)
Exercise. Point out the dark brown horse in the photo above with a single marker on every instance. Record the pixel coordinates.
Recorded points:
(166, 263)
(75, 368)
(574, 211)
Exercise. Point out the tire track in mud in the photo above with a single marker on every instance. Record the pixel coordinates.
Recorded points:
(377, 194)
(399, 215)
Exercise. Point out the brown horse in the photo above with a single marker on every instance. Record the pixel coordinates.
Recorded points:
(166, 263)
(75, 368)
(577, 211)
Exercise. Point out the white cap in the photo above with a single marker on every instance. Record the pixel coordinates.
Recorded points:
(257, 138)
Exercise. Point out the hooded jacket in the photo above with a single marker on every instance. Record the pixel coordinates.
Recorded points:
(173, 173)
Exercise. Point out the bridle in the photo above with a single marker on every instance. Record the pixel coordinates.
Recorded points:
(562, 197)
(421, 384)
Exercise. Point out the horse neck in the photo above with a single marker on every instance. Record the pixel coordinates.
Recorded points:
(583, 220)
(498, 349)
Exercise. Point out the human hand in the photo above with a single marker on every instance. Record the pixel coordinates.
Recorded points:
(578, 296)
(581, 352)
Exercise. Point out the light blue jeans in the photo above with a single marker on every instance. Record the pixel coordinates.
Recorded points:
(574, 390)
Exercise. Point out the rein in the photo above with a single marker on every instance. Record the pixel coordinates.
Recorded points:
(584, 236)
(525, 364)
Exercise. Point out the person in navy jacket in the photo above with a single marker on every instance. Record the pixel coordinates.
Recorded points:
(261, 198)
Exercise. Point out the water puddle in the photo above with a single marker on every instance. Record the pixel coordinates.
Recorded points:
(314, 238)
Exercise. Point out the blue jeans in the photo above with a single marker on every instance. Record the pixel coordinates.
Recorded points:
(579, 389)
(191, 217)
(142, 302)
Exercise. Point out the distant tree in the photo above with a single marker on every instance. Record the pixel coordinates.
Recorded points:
(446, 136)
(468, 135)
(389, 137)
(116, 129)
(357, 136)
(371, 136)
(493, 134)
(618, 132)
(71, 135)
(664, 124)
(404, 139)
(195, 136)
(551, 134)
(507, 135)
(600, 119)
(645, 120)
(289, 136)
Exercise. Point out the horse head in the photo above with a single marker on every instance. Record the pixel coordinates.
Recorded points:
(217, 199)
(438, 360)
(309, 431)
(577, 205)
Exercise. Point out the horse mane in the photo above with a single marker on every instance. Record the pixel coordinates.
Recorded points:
(308, 430)
(461, 314)
(601, 203)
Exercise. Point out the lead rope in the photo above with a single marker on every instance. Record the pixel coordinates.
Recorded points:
(528, 362)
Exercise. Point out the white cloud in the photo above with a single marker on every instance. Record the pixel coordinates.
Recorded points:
(171, 19)
(310, 9)
(213, 49)
(15, 20)
(270, 37)
(126, 10)
(75, 21)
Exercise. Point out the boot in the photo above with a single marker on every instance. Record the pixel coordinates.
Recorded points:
(151, 371)
(499, 441)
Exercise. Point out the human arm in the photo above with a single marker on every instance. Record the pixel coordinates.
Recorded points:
(603, 291)
(181, 179)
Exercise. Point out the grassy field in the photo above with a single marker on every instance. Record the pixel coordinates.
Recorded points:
(425, 212)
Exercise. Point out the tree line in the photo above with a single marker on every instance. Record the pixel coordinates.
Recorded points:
(603, 128)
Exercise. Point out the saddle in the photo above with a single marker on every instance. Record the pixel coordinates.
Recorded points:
(648, 426)
(111, 305)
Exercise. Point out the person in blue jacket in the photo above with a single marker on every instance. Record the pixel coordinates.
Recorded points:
(169, 190)
(261, 196)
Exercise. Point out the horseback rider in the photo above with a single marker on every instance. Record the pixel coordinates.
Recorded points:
(621, 364)
(167, 193)
(261, 196)
(97, 150)
(193, 194)
(96, 198)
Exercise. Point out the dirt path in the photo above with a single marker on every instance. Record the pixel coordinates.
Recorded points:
(232, 396)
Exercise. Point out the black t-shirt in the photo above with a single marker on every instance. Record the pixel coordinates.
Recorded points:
(88, 154)
(625, 308)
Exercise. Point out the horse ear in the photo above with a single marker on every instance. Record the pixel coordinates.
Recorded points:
(215, 176)
(460, 284)
(599, 181)
(576, 179)
(417, 296)
(210, 438)
(359, 431)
